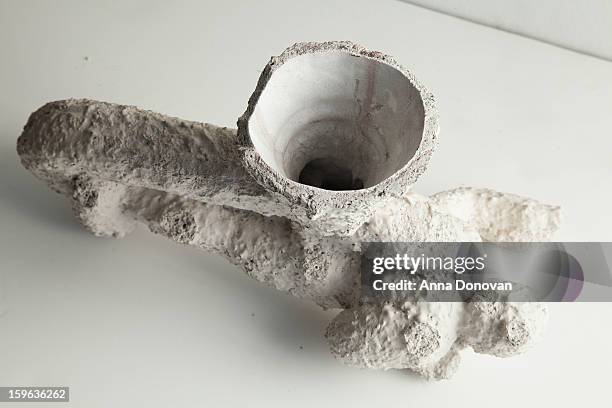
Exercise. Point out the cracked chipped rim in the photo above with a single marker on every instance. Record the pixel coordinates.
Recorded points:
(316, 199)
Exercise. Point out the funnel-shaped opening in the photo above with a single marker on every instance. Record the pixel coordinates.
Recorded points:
(337, 121)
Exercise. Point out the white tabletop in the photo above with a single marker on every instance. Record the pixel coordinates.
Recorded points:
(144, 321)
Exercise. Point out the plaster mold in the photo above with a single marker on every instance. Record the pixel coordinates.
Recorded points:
(323, 160)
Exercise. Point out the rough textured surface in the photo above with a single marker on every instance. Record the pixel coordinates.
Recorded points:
(419, 336)
(496, 215)
(139, 148)
(427, 337)
(207, 186)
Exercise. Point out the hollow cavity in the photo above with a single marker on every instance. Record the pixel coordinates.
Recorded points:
(337, 121)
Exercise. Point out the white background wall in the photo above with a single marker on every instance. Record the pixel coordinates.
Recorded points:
(580, 25)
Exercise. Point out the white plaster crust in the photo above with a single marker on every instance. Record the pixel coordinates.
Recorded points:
(209, 187)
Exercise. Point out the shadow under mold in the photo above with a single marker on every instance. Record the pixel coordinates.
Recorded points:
(24, 193)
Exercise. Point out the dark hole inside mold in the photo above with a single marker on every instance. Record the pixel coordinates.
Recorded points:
(328, 175)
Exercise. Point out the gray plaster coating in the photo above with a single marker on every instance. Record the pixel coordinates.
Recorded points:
(290, 205)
